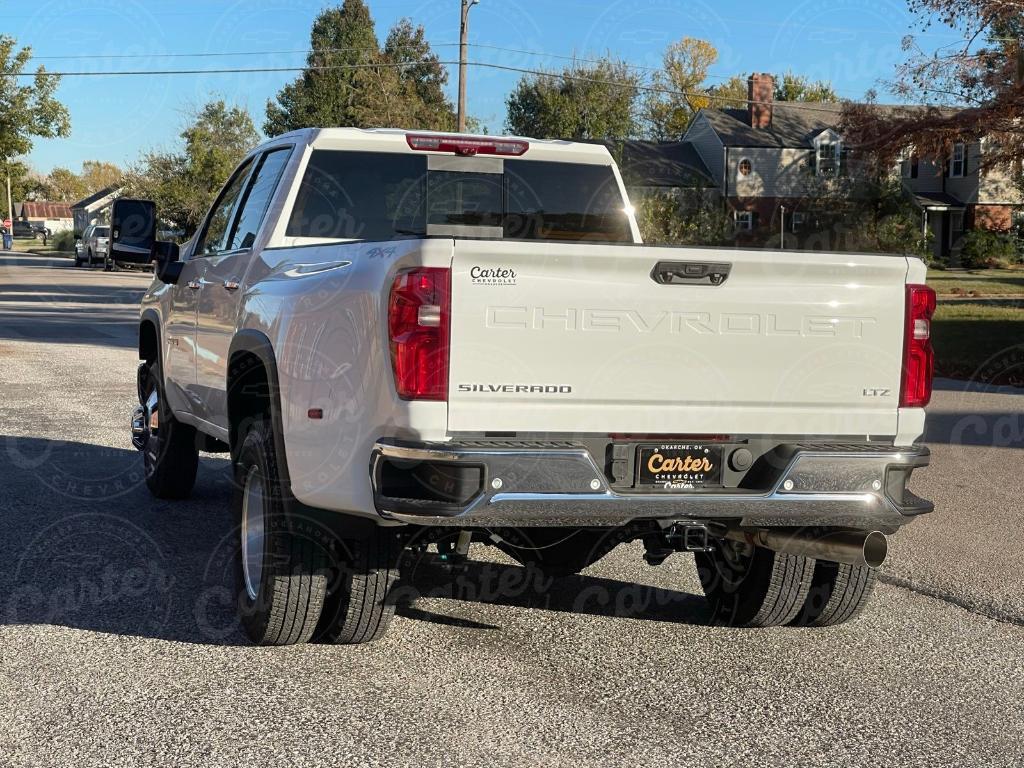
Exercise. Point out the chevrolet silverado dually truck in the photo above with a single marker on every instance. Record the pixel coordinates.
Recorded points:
(412, 342)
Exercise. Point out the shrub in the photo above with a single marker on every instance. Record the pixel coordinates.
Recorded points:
(686, 218)
(985, 249)
(64, 240)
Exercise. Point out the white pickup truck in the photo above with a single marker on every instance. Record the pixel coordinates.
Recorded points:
(415, 341)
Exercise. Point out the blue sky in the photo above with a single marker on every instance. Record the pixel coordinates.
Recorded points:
(853, 43)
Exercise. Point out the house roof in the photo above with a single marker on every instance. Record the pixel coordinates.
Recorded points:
(97, 199)
(41, 209)
(937, 201)
(794, 124)
(663, 164)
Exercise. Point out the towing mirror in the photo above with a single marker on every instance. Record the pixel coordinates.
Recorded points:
(168, 268)
(133, 231)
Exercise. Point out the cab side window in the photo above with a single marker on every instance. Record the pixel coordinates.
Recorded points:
(257, 199)
(214, 237)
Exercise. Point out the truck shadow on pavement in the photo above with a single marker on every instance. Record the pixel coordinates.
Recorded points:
(86, 546)
(513, 586)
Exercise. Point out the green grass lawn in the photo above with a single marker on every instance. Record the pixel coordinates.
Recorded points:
(36, 246)
(968, 336)
(982, 282)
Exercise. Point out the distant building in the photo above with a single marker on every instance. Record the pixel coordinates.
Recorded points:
(774, 155)
(94, 209)
(56, 217)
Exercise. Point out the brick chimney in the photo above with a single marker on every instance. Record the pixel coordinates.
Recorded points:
(761, 93)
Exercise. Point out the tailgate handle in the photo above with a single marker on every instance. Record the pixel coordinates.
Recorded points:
(690, 272)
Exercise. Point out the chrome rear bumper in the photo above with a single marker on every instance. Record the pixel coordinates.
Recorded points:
(855, 486)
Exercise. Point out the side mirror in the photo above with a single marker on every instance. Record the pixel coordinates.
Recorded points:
(168, 268)
(132, 231)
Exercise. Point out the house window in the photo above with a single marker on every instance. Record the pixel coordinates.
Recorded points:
(829, 156)
(910, 167)
(744, 221)
(958, 161)
(746, 167)
(798, 220)
(956, 228)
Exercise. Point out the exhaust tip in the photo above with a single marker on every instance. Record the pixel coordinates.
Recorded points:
(876, 547)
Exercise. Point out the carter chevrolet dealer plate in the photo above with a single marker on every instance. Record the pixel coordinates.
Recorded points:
(679, 466)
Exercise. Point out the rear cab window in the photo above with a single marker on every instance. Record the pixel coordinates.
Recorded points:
(354, 195)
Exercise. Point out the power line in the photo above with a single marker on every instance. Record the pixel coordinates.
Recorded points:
(566, 57)
(307, 51)
(206, 54)
(483, 64)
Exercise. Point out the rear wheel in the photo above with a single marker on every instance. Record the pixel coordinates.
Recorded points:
(839, 592)
(108, 264)
(282, 564)
(750, 586)
(359, 608)
(169, 451)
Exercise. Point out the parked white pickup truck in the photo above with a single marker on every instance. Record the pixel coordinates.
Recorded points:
(426, 340)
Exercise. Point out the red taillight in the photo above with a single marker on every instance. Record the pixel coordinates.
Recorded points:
(461, 145)
(418, 323)
(918, 356)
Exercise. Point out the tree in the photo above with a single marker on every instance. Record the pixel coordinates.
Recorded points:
(871, 215)
(64, 185)
(792, 87)
(26, 184)
(688, 217)
(732, 94)
(423, 75)
(349, 80)
(984, 73)
(27, 109)
(597, 101)
(183, 184)
(341, 37)
(685, 66)
(97, 175)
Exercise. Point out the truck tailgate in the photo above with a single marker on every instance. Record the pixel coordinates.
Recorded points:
(581, 338)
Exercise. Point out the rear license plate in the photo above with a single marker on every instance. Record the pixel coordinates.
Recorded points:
(679, 466)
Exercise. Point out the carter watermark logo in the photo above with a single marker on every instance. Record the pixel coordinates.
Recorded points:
(493, 276)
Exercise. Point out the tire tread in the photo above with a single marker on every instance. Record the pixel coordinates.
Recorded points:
(295, 581)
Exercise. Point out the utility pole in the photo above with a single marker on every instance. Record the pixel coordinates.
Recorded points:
(10, 206)
(463, 45)
(782, 233)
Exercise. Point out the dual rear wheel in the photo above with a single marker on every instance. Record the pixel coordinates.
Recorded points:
(749, 586)
(296, 580)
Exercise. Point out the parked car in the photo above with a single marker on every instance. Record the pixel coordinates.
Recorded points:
(29, 230)
(411, 342)
(93, 246)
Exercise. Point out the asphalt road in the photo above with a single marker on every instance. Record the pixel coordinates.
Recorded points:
(117, 646)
